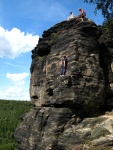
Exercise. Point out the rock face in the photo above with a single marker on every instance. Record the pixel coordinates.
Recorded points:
(63, 102)
(83, 86)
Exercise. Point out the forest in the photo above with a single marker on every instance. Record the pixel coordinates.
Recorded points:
(10, 113)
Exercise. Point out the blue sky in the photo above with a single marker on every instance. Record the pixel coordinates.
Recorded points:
(22, 22)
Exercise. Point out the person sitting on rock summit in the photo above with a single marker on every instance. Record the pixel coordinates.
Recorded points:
(82, 14)
(63, 66)
(71, 16)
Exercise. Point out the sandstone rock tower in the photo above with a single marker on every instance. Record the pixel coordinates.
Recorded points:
(61, 103)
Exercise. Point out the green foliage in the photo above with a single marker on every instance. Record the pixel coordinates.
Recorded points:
(105, 5)
(10, 112)
(108, 26)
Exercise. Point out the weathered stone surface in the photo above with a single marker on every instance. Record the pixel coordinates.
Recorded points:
(66, 107)
(83, 85)
(52, 128)
(44, 127)
(106, 60)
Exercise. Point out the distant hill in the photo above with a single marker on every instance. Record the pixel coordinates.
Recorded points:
(10, 113)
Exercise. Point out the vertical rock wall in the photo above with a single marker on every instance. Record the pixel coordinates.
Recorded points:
(83, 85)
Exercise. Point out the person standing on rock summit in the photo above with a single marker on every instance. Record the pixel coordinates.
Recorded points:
(82, 14)
(63, 66)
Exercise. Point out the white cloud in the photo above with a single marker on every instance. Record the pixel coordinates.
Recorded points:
(15, 93)
(17, 77)
(19, 90)
(13, 43)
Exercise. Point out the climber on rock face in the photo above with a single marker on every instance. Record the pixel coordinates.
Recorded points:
(82, 14)
(63, 66)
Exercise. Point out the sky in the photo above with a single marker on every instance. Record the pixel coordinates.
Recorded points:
(22, 22)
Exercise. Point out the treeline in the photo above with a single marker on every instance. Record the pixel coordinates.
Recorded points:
(10, 112)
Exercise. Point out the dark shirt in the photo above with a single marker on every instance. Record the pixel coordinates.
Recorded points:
(64, 61)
